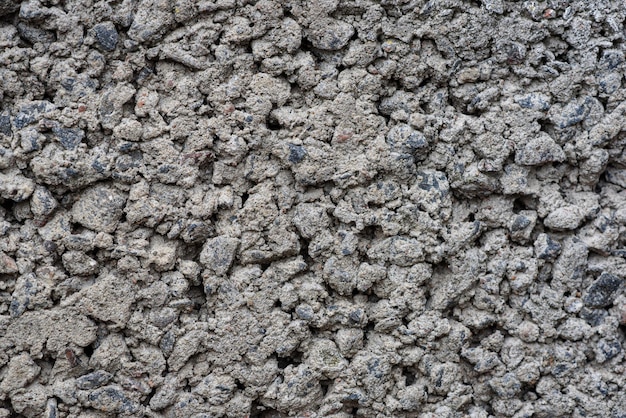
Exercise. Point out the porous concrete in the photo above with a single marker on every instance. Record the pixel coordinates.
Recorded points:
(312, 208)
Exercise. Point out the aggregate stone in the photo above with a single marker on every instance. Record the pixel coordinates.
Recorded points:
(539, 150)
(99, 208)
(93, 380)
(98, 299)
(15, 187)
(329, 208)
(564, 218)
(78, 263)
(68, 137)
(32, 111)
(21, 370)
(329, 34)
(42, 203)
(106, 35)
(546, 247)
(218, 253)
(111, 399)
(603, 290)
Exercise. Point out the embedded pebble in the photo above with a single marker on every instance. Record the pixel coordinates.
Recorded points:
(539, 150)
(601, 293)
(20, 371)
(564, 218)
(93, 380)
(15, 187)
(329, 34)
(99, 208)
(106, 35)
(69, 138)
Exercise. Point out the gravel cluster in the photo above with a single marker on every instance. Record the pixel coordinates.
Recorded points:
(312, 208)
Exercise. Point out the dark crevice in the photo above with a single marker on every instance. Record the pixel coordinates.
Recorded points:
(546, 126)
(519, 204)
(7, 205)
(304, 252)
(372, 298)
(272, 124)
(425, 82)
(325, 384)
(76, 228)
(190, 251)
(409, 376)
(371, 232)
(306, 46)
(294, 360)
(264, 265)
(88, 350)
(146, 401)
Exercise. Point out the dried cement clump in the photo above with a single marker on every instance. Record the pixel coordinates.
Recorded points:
(312, 208)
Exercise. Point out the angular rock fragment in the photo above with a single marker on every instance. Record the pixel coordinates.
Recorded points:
(68, 137)
(106, 35)
(22, 370)
(329, 34)
(100, 208)
(546, 248)
(151, 20)
(564, 218)
(219, 253)
(79, 263)
(93, 380)
(112, 399)
(602, 292)
(539, 150)
(31, 112)
(42, 204)
(109, 299)
(15, 186)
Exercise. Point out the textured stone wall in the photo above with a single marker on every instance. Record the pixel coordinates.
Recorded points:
(312, 208)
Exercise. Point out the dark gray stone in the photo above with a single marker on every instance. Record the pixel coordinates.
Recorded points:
(546, 248)
(32, 112)
(94, 380)
(5, 124)
(330, 34)
(197, 231)
(218, 253)
(520, 222)
(106, 35)
(69, 137)
(602, 292)
(296, 153)
(99, 208)
(34, 35)
(534, 101)
(608, 348)
(611, 59)
(112, 399)
(404, 139)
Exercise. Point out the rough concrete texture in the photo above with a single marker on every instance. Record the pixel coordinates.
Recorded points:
(312, 208)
